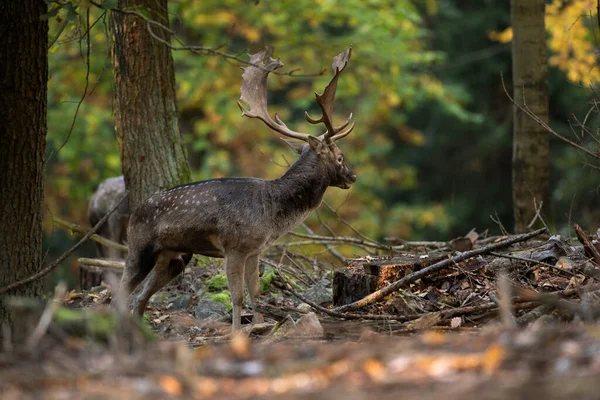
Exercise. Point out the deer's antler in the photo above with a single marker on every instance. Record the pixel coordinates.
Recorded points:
(254, 94)
(326, 101)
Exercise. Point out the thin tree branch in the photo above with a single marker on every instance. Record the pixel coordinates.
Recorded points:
(65, 255)
(544, 125)
(202, 50)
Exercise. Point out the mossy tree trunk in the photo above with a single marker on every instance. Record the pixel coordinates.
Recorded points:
(152, 151)
(23, 108)
(530, 164)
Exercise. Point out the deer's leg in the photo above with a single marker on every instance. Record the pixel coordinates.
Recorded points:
(253, 283)
(138, 265)
(234, 267)
(167, 267)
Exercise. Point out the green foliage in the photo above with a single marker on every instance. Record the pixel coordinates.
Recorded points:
(217, 282)
(387, 77)
(432, 144)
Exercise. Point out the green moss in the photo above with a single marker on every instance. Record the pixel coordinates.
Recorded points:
(98, 325)
(217, 282)
(266, 279)
(223, 297)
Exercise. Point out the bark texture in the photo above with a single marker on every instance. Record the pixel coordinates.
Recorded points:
(152, 151)
(23, 106)
(530, 164)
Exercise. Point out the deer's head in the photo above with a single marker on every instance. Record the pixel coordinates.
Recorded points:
(330, 157)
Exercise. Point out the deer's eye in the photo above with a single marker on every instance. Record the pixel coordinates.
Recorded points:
(340, 159)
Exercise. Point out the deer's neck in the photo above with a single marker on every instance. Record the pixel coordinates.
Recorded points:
(300, 189)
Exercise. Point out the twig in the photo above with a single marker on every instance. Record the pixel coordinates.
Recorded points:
(46, 318)
(65, 255)
(83, 96)
(544, 125)
(379, 294)
(331, 250)
(505, 301)
(500, 224)
(530, 260)
(337, 239)
(97, 238)
(590, 249)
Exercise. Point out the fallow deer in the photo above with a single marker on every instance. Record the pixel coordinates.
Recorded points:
(237, 218)
(115, 228)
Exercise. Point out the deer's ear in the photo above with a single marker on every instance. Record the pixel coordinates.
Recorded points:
(316, 145)
(294, 145)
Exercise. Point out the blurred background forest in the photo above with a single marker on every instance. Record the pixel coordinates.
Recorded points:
(433, 142)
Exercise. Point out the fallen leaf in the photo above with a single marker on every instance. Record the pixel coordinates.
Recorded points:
(456, 322)
(240, 345)
(170, 385)
(424, 322)
(493, 358)
(434, 338)
(374, 369)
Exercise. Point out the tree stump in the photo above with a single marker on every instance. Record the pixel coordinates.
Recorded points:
(364, 276)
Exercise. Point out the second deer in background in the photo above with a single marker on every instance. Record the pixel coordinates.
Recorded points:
(237, 218)
(108, 193)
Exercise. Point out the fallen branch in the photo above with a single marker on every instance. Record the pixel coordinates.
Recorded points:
(519, 304)
(381, 293)
(95, 262)
(97, 238)
(65, 255)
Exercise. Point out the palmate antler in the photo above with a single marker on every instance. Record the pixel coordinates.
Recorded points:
(254, 94)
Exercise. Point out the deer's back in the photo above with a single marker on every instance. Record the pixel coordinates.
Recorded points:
(205, 217)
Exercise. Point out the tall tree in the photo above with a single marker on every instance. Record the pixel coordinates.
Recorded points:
(530, 82)
(152, 152)
(23, 108)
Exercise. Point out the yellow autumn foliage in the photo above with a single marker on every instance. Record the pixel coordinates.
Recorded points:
(571, 39)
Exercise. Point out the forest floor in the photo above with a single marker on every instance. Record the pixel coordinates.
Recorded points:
(550, 348)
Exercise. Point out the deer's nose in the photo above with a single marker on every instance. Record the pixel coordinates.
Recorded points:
(353, 178)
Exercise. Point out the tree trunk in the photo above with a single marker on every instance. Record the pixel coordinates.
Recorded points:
(23, 92)
(152, 152)
(530, 165)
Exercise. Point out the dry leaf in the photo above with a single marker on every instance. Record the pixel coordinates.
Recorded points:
(472, 236)
(170, 385)
(71, 296)
(424, 322)
(240, 345)
(160, 319)
(434, 338)
(493, 358)
(374, 369)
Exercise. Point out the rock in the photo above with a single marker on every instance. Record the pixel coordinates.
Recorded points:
(320, 293)
(304, 308)
(209, 309)
(181, 302)
(307, 325)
